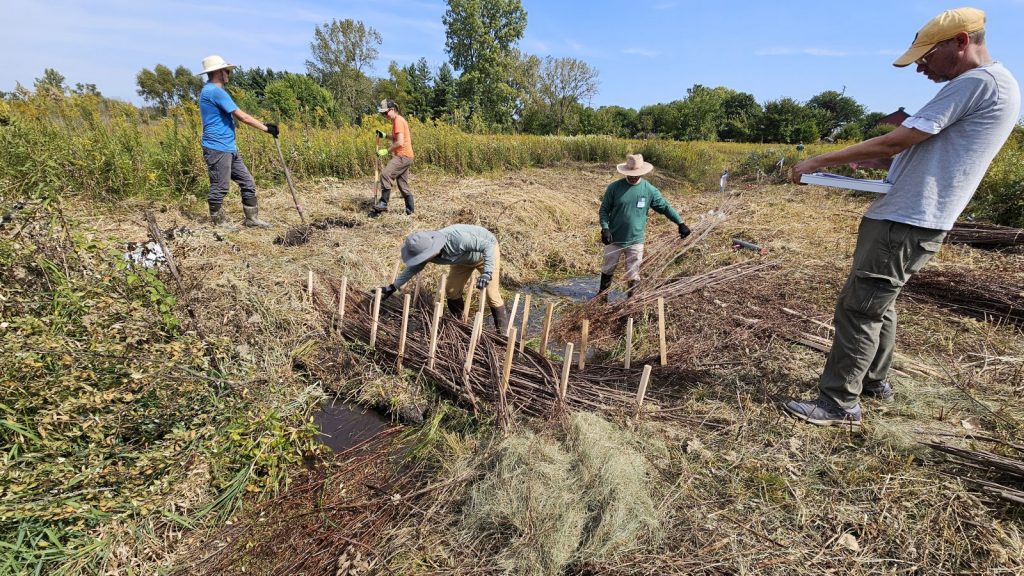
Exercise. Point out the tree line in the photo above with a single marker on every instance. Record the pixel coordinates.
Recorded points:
(489, 85)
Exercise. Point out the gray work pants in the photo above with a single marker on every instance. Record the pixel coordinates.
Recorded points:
(397, 172)
(887, 255)
(223, 168)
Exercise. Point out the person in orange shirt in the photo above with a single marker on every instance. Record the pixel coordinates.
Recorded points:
(397, 169)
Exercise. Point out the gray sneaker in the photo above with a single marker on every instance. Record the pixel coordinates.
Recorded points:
(823, 412)
(878, 390)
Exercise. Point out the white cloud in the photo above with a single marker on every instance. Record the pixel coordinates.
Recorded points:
(665, 5)
(645, 52)
(782, 51)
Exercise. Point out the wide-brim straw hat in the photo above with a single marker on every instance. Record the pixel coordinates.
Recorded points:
(634, 166)
(941, 28)
(421, 246)
(214, 63)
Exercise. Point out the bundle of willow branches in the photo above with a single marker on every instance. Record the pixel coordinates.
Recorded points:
(987, 297)
(989, 236)
(1005, 474)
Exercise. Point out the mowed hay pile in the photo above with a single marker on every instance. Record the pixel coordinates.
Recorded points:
(547, 504)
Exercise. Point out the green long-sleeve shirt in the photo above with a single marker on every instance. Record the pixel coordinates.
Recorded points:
(464, 244)
(624, 210)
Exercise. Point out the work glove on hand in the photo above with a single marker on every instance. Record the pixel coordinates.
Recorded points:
(379, 133)
(606, 236)
(483, 281)
(382, 152)
(272, 129)
(387, 291)
(684, 230)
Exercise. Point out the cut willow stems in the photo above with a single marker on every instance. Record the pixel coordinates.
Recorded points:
(661, 331)
(629, 342)
(526, 319)
(563, 384)
(406, 303)
(584, 334)
(642, 390)
(548, 313)
(435, 323)
(512, 314)
(375, 318)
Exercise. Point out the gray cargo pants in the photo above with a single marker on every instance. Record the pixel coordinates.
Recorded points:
(397, 172)
(887, 255)
(223, 168)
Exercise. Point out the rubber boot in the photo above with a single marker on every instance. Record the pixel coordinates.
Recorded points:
(500, 316)
(456, 306)
(410, 205)
(220, 219)
(382, 205)
(252, 217)
(631, 288)
(606, 282)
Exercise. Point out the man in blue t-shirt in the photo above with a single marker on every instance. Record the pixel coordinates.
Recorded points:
(223, 161)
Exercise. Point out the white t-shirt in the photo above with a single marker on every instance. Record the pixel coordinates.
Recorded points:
(971, 117)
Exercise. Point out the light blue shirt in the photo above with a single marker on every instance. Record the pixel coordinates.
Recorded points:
(215, 107)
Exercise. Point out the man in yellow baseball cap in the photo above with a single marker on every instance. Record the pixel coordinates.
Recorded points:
(936, 159)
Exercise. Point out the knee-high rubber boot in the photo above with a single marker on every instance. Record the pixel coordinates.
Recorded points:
(252, 217)
(456, 306)
(606, 281)
(500, 316)
(410, 205)
(382, 203)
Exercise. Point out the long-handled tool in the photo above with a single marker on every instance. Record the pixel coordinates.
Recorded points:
(376, 168)
(288, 177)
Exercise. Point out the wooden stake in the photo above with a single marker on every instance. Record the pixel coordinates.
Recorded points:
(563, 384)
(510, 352)
(483, 299)
(416, 290)
(661, 331)
(584, 335)
(526, 318)
(642, 390)
(434, 324)
(442, 288)
(512, 314)
(478, 326)
(405, 326)
(309, 287)
(466, 302)
(374, 317)
(394, 274)
(629, 341)
(341, 301)
(548, 312)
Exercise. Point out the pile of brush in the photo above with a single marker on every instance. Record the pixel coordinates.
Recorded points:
(986, 236)
(988, 297)
(1002, 475)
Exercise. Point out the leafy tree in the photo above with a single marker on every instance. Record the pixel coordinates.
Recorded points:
(787, 121)
(443, 95)
(480, 39)
(742, 115)
(52, 82)
(836, 110)
(342, 53)
(254, 80)
(280, 100)
(618, 121)
(421, 91)
(165, 88)
(562, 85)
(86, 90)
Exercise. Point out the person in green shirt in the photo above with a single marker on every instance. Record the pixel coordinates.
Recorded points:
(624, 220)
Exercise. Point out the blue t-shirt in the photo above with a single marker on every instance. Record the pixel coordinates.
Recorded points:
(216, 106)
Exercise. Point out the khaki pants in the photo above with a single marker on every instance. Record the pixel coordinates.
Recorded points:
(887, 255)
(460, 274)
(634, 255)
(395, 172)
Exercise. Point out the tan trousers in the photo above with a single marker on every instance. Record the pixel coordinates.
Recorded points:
(460, 274)
(634, 256)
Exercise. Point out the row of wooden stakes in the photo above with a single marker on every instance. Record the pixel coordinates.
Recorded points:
(512, 334)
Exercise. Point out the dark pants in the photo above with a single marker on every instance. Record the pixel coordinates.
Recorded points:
(397, 172)
(887, 255)
(223, 168)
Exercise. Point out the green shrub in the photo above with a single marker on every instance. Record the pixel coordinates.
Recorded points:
(1000, 196)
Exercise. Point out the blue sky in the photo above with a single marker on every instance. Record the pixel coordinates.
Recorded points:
(646, 52)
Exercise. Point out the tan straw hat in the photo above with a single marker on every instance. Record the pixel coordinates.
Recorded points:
(214, 63)
(634, 166)
(942, 27)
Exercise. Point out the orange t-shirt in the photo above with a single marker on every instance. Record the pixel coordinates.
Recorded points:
(400, 126)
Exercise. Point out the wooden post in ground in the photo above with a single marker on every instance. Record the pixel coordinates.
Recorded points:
(526, 318)
(466, 300)
(309, 288)
(341, 301)
(661, 331)
(434, 325)
(442, 289)
(474, 339)
(506, 372)
(584, 335)
(512, 314)
(394, 273)
(629, 342)
(548, 312)
(406, 302)
(374, 317)
(642, 390)
(416, 290)
(563, 384)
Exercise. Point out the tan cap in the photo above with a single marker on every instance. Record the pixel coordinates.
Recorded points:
(942, 27)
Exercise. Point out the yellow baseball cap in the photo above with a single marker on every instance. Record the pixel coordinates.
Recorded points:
(942, 27)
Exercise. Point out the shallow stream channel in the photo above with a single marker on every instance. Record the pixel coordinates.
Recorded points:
(344, 425)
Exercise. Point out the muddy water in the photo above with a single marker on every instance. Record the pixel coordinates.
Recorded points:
(569, 290)
(342, 425)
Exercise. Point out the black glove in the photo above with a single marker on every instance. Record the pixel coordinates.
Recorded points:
(684, 230)
(483, 281)
(606, 236)
(272, 129)
(379, 133)
(387, 291)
